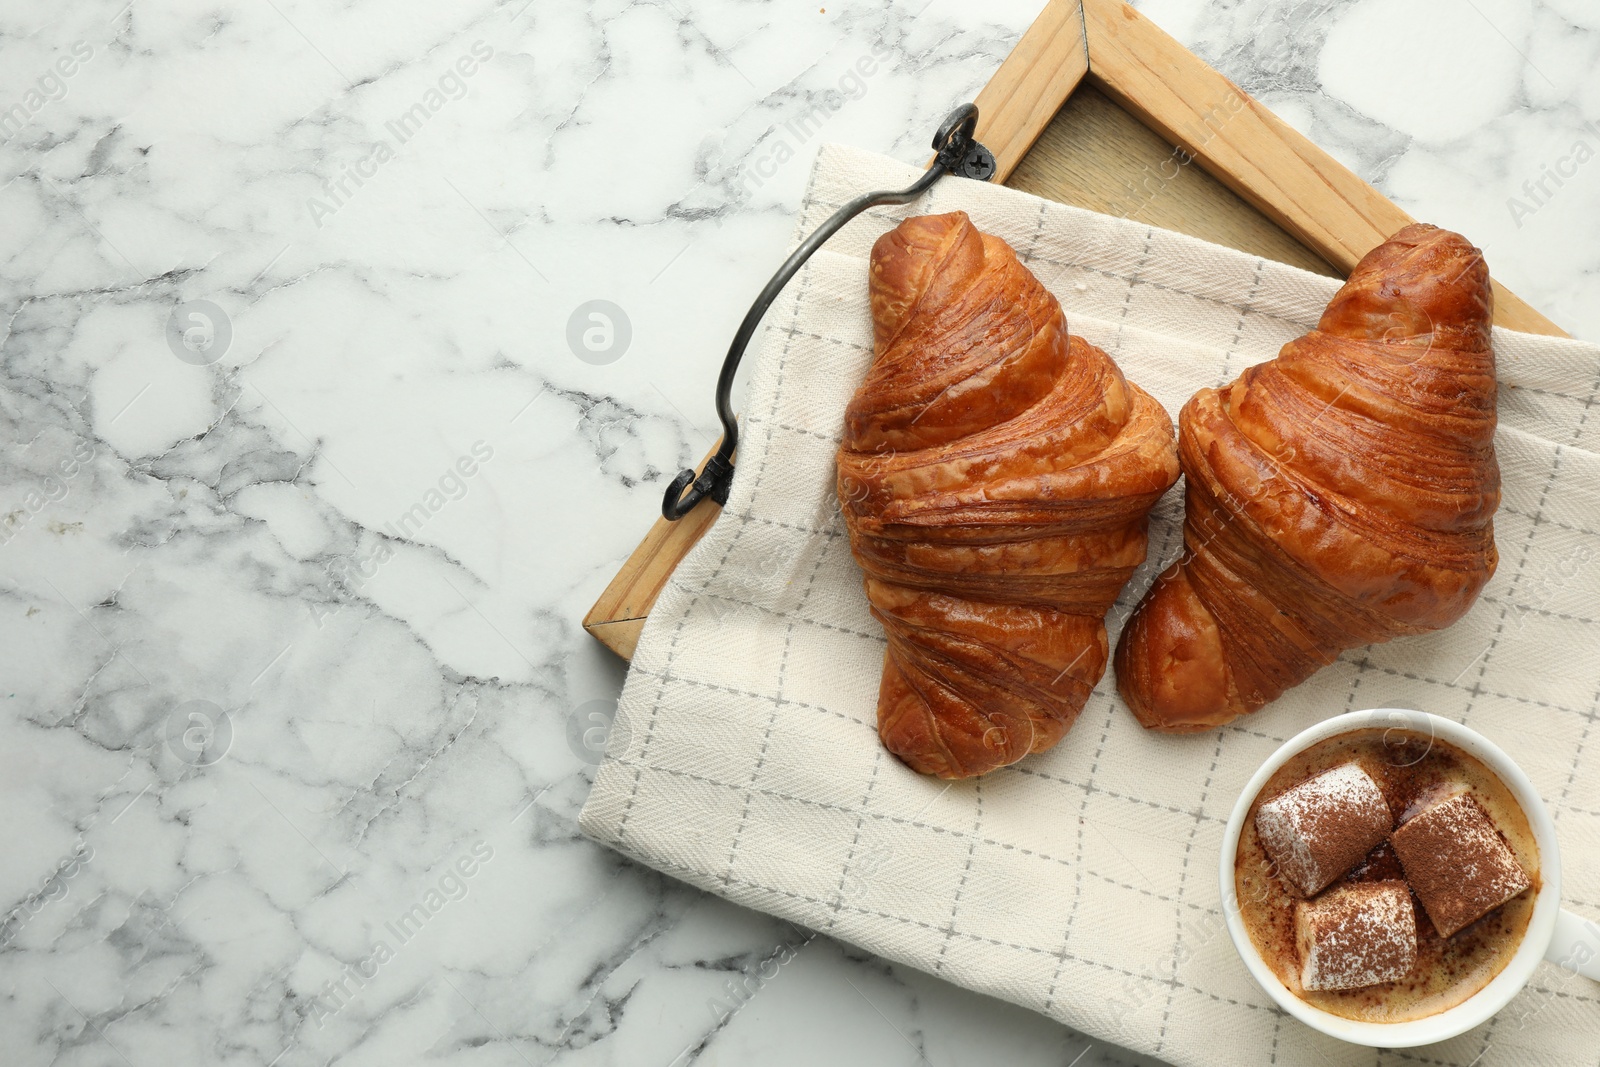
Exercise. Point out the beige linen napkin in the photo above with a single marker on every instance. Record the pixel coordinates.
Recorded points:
(1082, 882)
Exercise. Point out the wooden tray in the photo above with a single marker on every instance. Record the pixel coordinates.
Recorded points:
(1097, 107)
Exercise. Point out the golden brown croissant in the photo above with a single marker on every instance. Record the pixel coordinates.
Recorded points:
(995, 477)
(1338, 495)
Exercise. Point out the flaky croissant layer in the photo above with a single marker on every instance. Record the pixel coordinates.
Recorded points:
(995, 478)
(1338, 495)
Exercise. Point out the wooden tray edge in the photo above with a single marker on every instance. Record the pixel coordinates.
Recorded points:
(1283, 174)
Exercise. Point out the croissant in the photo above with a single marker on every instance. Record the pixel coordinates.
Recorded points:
(995, 476)
(1338, 495)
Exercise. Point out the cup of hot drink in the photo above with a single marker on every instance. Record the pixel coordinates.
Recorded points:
(1391, 878)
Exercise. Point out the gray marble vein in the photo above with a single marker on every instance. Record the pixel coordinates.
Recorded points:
(315, 451)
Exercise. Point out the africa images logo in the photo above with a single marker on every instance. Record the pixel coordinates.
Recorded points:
(199, 733)
(199, 332)
(599, 332)
(451, 85)
(450, 887)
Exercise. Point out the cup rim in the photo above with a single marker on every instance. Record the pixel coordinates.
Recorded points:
(1483, 1004)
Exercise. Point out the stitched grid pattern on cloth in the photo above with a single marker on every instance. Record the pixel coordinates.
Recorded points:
(1080, 882)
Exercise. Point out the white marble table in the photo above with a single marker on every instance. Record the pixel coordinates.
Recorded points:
(303, 489)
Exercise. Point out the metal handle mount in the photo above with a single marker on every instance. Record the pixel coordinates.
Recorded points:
(956, 153)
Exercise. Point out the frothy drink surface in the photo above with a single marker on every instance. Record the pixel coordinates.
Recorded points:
(1413, 770)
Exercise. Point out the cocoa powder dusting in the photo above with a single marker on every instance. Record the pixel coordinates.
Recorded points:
(1457, 862)
(1414, 773)
(1356, 935)
(1316, 830)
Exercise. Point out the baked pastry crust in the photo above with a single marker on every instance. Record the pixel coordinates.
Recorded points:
(1338, 495)
(995, 477)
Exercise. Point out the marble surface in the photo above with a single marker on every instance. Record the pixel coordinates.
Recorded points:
(313, 457)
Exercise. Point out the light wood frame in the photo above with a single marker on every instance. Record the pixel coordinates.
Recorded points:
(1109, 45)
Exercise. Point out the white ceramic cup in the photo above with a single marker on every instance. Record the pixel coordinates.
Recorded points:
(1553, 934)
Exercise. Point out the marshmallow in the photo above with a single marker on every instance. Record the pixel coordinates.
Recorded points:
(1356, 935)
(1322, 827)
(1456, 860)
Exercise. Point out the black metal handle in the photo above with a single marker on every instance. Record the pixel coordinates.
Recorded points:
(956, 153)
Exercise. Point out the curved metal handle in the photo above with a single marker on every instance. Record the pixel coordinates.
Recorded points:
(956, 153)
